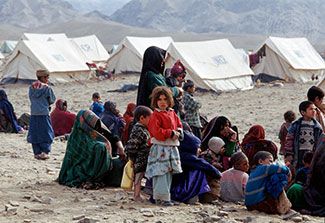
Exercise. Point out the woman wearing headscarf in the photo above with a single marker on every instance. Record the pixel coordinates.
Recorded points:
(221, 127)
(196, 176)
(62, 120)
(88, 161)
(314, 190)
(8, 119)
(111, 118)
(152, 75)
(254, 141)
(128, 118)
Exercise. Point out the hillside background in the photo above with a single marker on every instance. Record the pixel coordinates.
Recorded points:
(245, 22)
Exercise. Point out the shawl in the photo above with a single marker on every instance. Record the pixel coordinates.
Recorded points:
(153, 60)
(88, 154)
(8, 110)
(255, 133)
(62, 121)
(110, 117)
(254, 142)
(213, 129)
(128, 115)
(314, 190)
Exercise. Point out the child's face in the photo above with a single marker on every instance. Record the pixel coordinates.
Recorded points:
(318, 102)
(96, 99)
(144, 120)
(191, 89)
(45, 80)
(267, 161)
(309, 113)
(162, 102)
(243, 165)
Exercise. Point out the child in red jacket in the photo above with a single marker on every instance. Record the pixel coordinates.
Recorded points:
(164, 160)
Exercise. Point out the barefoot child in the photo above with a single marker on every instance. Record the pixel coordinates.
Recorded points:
(138, 147)
(164, 160)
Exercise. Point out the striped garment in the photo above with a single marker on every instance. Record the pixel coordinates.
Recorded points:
(256, 185)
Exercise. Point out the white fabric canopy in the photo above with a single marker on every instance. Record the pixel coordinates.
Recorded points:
(128, 55)
(293, 59)
(92, 48)
(212, 64)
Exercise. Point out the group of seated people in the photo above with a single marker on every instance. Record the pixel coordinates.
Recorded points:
(181, 162)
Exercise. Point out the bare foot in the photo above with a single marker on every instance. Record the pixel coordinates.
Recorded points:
(138, 199)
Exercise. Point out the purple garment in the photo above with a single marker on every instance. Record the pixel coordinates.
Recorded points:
(189, 184)
(8, 110)
(193, 180)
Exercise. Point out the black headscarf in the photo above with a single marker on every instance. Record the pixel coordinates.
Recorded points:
(213, 129)
(152, 61)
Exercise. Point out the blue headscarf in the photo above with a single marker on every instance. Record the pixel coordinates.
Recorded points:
(8, 110)
(189, 160)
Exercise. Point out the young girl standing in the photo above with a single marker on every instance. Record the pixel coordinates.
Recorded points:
(165, 129)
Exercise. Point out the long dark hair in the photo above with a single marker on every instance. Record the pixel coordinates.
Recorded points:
(213, 129)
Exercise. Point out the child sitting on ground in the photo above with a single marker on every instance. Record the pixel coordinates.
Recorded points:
(213, 154)
(264, 189)
(97, 106)
(233, 181)
(295, 193)
(303, 134)
(138, 147)
(289, 117)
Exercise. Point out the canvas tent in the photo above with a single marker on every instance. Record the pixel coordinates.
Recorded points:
(8, 46)
(292, 59)
(60, 58)
(92, 48)
(128, 55)
(212, 64)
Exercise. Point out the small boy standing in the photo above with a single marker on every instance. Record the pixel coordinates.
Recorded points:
(97, 106)
(192, 107)
(138, 147)
(316, 95)
(289, 117)
(40, 132)
(303, 134)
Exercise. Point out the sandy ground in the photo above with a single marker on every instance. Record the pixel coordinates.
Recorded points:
(29, 190)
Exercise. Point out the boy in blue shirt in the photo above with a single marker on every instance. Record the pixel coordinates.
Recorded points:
(97, 106)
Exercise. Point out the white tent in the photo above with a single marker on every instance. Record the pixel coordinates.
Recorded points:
(8, 46)
(60, 58)
(128, 55)
(212, 64)
(44, 37)
(92, 48)
(1, 56)
(292, 59)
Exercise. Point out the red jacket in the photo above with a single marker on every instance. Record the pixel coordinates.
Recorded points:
(162, 122)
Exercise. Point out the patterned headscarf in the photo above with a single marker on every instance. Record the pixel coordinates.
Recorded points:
(110, 107)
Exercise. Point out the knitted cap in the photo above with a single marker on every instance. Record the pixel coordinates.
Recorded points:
(177, 69)
(215, 144)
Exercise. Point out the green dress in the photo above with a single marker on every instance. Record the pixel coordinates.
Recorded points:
(88, 155)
